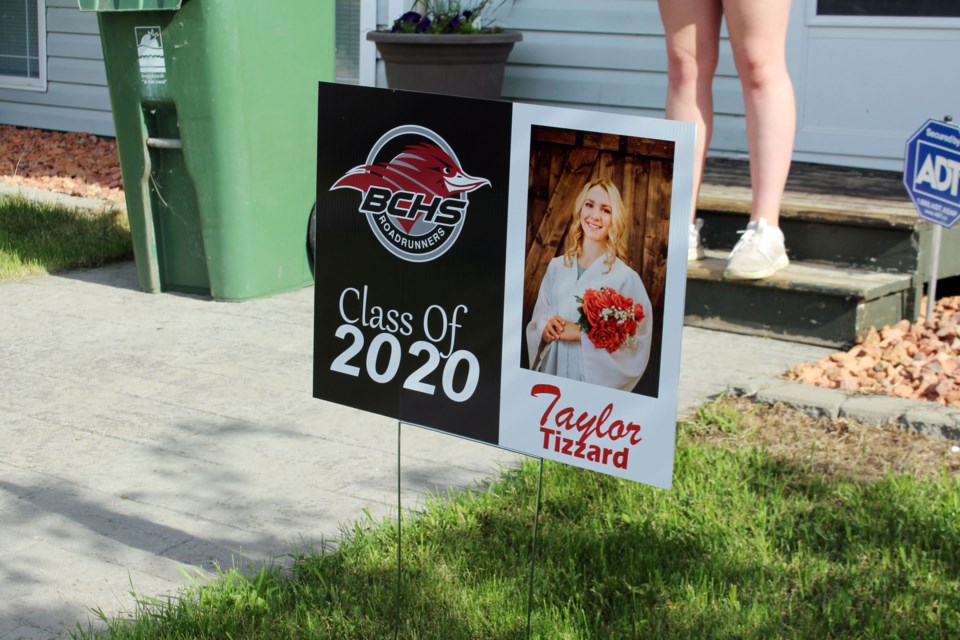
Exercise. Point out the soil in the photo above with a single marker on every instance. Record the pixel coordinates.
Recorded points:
(839, 448)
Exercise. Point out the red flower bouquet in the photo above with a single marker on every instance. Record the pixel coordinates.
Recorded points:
(610, 319)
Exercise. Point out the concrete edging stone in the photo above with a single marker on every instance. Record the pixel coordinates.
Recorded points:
(919, 416)
(54, 197)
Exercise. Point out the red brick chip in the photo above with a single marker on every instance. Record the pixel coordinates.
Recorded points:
(915, 360)
(79, 164)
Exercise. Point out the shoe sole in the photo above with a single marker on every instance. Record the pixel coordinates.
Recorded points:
(757, 275)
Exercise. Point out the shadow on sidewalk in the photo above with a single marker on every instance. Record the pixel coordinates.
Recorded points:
(122, 275)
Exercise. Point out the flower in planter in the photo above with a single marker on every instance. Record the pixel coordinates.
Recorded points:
(445, 16)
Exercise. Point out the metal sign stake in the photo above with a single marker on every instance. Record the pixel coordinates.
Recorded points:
(533, 548)
(396, 629)
(934, 267)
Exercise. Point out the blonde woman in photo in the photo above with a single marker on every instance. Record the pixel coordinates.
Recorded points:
(593, 258)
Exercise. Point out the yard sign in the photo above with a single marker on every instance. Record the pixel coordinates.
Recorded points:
(931, 172)
(437, 218)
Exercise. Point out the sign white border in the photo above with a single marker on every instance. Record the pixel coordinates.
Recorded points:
(520, 413)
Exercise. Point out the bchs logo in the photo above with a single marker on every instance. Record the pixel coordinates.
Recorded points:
(416, 200)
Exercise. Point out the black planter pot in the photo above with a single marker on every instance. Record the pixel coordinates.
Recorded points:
(453, 64)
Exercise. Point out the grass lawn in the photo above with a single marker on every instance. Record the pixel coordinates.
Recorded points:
(777, 526)
(43, 238)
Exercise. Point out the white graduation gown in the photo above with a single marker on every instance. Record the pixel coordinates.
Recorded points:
(581, 360)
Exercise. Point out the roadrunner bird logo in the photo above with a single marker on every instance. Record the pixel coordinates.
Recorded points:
(416, 199)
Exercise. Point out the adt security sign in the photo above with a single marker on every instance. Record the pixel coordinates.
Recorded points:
(931, 172)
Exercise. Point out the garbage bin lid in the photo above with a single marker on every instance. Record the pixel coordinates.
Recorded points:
(129, 5)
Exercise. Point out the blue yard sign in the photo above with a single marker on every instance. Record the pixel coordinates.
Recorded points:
(931, 172)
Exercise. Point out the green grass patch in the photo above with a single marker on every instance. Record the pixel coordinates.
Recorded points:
(37, 238)
(746, 545)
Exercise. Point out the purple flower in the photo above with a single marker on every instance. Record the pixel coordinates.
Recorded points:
(442, 20)
(407, 20)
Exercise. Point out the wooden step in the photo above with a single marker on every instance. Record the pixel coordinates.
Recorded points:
(852, 217)
(807, 302)
(845, 229)
(846, 245)
(860, 255)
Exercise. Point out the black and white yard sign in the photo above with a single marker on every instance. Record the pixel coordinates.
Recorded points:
(425, 237)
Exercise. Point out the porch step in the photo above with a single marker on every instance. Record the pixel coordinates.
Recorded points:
(809, 302)
(855, 217)
(859, 255)
(844, 231)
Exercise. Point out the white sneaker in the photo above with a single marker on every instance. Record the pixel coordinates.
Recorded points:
(759, 253)
(695, 247)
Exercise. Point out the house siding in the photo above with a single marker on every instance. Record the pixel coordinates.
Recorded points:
(76, 98)
(608, 55)
(604, 55)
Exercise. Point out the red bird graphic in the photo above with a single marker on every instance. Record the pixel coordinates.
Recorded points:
(419, 168)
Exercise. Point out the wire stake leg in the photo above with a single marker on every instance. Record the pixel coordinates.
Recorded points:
(533, 549)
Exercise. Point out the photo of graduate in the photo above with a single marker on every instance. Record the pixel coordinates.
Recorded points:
(597, 227)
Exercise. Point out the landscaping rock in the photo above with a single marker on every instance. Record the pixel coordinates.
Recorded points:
(917, 361)
(77, 164)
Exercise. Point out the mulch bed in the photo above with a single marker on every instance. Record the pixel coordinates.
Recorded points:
(79, 164)
(838, 448)
(915, 360)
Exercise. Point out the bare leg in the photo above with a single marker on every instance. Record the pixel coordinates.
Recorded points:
(758, 36)
(692, 30)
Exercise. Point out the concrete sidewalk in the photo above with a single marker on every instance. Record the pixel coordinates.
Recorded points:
(146, 435)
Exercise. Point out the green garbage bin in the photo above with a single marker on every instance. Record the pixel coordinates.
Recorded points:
(215, 107)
